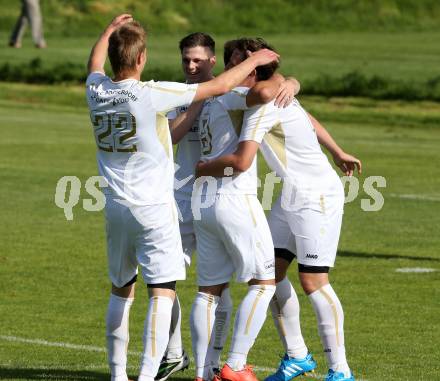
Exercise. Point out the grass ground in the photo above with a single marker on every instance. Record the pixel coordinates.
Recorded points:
(397, 56)
(54, 284)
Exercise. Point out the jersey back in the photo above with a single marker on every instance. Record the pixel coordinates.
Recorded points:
(288, 143)
(134, 150)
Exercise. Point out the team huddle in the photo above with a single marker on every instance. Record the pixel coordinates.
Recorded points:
(152, 224)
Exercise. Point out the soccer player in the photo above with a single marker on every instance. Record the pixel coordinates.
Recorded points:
(134, 155)
(232, 236)
(305, 220)
(198, 60)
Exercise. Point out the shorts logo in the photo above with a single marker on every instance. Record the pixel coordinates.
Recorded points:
(312, 256)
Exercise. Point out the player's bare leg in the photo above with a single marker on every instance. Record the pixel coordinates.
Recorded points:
(118, 312)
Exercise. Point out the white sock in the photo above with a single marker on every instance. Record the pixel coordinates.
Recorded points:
(330, 317)
(249, 319)
(202, 325)
(156, 335)
(221, 328)
(118, 312)
(174, 349)
(285, 312)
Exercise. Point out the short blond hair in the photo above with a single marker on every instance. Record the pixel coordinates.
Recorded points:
(124, 46)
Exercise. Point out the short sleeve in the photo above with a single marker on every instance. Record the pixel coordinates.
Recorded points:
(257, 122)
(95, 78)
(235, 99)
(166, 96)
(172, 114)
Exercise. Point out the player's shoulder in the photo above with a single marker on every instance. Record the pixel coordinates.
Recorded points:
(234, 99)
(170, 87)
(236, 92)
(241, 91)
(95, 78)
(174, 113)
(262, 110)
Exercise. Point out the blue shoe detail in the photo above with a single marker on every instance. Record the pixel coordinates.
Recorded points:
(292, 367)
(338, 376)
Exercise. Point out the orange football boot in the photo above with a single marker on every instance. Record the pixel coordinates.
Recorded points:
(247, 374)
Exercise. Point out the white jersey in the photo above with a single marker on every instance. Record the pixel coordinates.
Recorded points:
(132, 135)
(220, 125)
(187, 156)
(289, 145)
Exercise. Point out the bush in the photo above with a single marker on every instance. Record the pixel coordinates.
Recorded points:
(353, 83)
(36, 72)
(357, 84)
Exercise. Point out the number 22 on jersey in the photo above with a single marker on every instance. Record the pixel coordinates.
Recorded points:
(114, 131)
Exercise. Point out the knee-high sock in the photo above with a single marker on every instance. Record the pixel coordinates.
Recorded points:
(221, 328)
(249, 319)
(285, 312)
(202, 326)
(156, 335)
(118, 312)
(330, 318)
(174, 349)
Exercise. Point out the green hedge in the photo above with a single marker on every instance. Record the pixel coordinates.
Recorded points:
(356, 83)
(353, 83)
(67, 72)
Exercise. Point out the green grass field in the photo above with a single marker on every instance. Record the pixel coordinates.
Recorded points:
(53, 272)
(396, 56)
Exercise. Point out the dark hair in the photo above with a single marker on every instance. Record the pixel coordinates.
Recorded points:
(197, 39)
(228, 49)
(124, 46)
(252, 44)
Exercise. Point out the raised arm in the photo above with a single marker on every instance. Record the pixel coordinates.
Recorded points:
(346, 162)
(233, 77)
(98, 55)
(184, 121)
(239, 161)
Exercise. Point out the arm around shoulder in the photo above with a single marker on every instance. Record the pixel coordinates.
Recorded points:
(264, 91)
(233, 77)
(276, 87)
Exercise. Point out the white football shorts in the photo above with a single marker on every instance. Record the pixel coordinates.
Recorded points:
(186, 227)
(311, 232)
(233, 236)
(144, 236)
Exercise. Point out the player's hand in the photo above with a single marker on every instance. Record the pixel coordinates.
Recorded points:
(287, 91)
(263, 56)
(348, 163)
(120, 20)
(199, 166)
